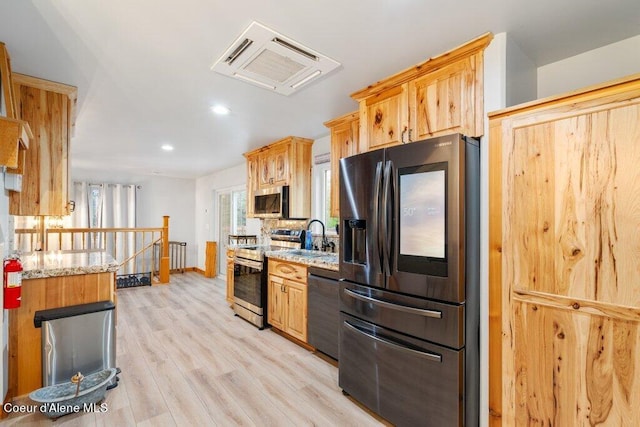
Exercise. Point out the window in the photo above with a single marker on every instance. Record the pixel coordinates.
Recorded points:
(239, 207)
(322, 198)
(95, 205)
(232, 217)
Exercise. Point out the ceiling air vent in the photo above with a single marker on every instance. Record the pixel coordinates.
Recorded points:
(262, 57)
(241, 48)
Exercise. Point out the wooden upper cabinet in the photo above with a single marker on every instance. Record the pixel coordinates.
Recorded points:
(344, 143)
(440, 96)
(384, 117)
(284, 162)
(48, 107)
(14, 134)
(6, 89)
(252, 181)
(443, 101)
(273, 165)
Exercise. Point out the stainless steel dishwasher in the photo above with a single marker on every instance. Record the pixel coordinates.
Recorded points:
(323, 327)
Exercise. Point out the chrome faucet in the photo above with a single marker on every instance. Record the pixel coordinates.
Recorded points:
(325, 243)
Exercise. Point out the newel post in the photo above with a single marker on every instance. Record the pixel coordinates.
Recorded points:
(164, 259)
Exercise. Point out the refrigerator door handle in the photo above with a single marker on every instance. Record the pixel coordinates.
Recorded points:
(385, 218)
(397, 346)
(411, 310)
(376, 211)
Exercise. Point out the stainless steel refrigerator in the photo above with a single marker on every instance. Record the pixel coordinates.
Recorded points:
(409, 268)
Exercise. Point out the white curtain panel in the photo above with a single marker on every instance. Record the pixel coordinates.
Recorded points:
(106, 206)
(80, 215)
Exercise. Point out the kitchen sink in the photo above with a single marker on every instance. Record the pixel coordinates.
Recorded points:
(307, 253)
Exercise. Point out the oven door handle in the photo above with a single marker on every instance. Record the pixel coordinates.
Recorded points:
(412, 310)
(248, 263)
(424, 354)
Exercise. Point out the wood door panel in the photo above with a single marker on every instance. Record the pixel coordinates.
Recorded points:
(573, 184)
(574, 369)
(443, 102)
(344, 143)
(276, 302)
(564, 267)
(230, 277)
(45, 184)
(385, 118)
(252, 183)
(297, 310)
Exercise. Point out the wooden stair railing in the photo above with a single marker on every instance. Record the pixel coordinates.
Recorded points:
(132, 247)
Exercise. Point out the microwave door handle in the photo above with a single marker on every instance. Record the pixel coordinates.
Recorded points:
(376, 212)
(387, 228)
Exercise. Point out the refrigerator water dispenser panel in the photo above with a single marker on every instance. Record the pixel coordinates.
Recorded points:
(355, 241)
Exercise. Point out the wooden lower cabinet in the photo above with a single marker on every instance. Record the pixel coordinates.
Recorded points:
(296, 307)
(230, 271)
(25, 347)
(276, 305)
(287, 298)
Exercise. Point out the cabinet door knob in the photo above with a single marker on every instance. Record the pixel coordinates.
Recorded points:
(404, 132)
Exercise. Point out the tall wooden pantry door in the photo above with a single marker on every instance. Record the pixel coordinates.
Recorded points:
(565, 259)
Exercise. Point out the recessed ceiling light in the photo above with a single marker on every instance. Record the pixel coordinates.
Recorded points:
(167, 147)
(220, 109)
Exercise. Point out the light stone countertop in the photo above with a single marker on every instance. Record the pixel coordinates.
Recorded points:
(326, 260)
(39, 265)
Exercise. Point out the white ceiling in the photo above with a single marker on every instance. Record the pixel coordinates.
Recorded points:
(142, 67)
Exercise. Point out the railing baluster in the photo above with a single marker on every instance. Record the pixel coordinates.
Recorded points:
(129, 245)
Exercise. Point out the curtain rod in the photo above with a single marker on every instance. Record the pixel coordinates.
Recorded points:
(139, 187)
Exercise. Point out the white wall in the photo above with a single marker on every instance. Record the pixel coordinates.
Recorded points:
(206, 223)
(521, 75)
(320, 146)
(6, 230)
(158, 196)
(595, 66)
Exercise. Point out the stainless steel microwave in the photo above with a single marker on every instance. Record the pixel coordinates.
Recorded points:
(271, 202)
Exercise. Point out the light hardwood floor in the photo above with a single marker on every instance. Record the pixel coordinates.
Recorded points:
(186, 360)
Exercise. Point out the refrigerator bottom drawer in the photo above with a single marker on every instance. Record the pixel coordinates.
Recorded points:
(405, 380)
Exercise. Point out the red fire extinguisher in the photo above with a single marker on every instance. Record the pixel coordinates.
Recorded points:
(12, 274)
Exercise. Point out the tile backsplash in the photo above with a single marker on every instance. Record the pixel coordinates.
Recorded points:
(295, 224)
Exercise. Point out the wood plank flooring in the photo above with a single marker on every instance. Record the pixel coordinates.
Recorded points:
(186, 360)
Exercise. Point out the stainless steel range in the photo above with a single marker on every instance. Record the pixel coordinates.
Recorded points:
(250, 275)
